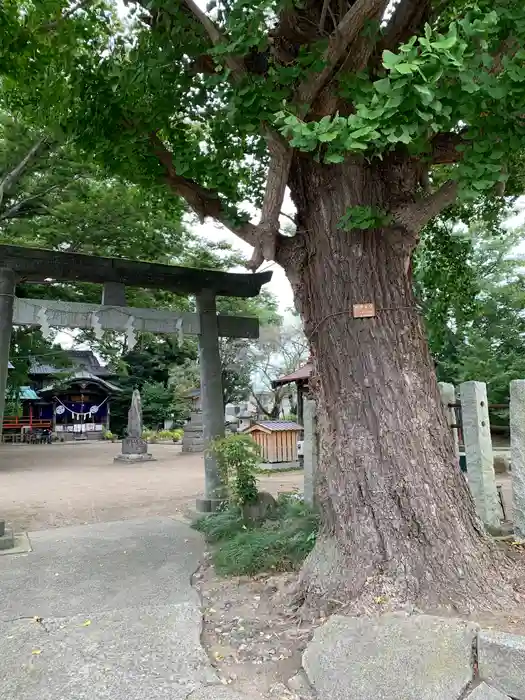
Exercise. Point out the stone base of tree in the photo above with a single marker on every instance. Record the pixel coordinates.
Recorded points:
(417, 656)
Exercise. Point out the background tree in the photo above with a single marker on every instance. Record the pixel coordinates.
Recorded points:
(474, 308)
(355, 105)
(281, 350)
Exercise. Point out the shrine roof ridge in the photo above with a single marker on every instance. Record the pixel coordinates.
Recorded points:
(39, 264)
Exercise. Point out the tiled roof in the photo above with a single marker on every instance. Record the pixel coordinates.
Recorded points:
(27, 394)
(80, 359)
(89, 378)
(303, 372)
(277, 425)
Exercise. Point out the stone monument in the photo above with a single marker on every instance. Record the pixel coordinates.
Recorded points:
(134, 448)
(193, 439)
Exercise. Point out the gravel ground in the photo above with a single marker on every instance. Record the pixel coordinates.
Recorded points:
(43, 486)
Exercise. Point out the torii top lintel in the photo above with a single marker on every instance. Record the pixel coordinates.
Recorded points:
(38, 264)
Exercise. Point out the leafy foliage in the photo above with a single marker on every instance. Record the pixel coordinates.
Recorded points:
(28, 345)
(238, 457)
(279, 544)
(473, 305)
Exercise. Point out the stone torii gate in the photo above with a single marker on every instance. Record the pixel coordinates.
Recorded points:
(18, 264)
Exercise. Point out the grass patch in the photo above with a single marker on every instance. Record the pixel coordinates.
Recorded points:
(281, 543)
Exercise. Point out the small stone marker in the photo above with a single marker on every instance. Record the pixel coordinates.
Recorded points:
(517, 455)
(310, 447)
(134, 448)
(478, 452)
(6, 537)
(260, 509)
(448, 396)
(501, 662)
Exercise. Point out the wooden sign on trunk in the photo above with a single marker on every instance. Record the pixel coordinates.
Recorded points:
(364, 310)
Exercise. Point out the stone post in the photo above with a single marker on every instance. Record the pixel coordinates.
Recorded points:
(211, 398)
(310, 450)
(517, 455)
(7, 297)
(448, 396)
(478, 452)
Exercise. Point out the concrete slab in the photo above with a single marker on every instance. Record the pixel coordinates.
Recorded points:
(100, 567)
(117, 617)
(501, 661)
(485, 692)
(392, 657)
(150, 652)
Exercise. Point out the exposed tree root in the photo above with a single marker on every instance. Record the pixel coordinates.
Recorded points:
(331, 582)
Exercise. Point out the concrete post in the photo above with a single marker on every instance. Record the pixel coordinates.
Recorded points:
(448, 396)
(7, 296)
(310, 450)
(211, 398)
(517, 455)
(478, 452)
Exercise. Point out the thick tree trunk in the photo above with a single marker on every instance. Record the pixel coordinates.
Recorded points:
(398, 520)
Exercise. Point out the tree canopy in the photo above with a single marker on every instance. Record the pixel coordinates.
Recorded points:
(204, 101)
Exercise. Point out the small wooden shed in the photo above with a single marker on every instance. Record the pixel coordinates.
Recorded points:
(277, 439)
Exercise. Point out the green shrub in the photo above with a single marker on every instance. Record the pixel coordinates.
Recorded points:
(279, 544)
(153, 435)
(221, 525)
(238, 457)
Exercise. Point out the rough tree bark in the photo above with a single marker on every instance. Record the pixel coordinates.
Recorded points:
(398, 520)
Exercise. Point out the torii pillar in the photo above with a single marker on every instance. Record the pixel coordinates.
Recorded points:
(212, 400)
(7, 298)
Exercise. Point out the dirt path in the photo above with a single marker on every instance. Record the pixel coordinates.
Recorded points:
(44, 486)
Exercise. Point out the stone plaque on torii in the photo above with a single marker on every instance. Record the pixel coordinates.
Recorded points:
(20, 264)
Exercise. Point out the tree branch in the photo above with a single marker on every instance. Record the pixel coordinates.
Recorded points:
(408, 18)
(340, 40)
(204, 201)
(236, 65)
(276, 181)
(11, 178)
(32, 205)
(414, 216)
(443, 148)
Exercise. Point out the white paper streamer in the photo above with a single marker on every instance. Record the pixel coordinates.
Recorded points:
(44, 323)
(180, 332)
(131, 336)
(97, 327)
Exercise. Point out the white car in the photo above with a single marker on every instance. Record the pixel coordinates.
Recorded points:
(300, 450)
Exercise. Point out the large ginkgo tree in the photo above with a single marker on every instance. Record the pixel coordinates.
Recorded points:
(376, 116)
